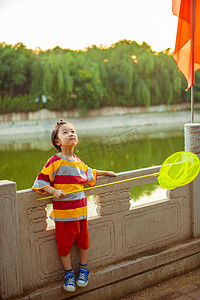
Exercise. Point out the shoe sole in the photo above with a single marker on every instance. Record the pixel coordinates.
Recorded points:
(69, 290)
(82, 284)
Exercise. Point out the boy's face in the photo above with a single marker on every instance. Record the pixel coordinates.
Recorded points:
(67, 137)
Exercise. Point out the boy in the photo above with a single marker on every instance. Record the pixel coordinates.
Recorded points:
(65, 172)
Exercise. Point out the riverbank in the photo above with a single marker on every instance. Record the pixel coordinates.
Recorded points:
(45, 114)
(101, 125)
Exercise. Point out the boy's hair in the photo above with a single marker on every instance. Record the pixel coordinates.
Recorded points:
(54, 134)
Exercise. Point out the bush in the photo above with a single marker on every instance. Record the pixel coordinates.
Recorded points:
(24, 103)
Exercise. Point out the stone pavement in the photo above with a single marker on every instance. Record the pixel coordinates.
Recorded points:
(182, 287)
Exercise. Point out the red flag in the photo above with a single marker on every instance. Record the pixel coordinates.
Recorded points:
(186, 62)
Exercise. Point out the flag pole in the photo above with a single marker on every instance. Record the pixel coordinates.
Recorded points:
(192, 104)
(192, 57)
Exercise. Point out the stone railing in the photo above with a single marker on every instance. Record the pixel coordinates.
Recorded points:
(130, 248)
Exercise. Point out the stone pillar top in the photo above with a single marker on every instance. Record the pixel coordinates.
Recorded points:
(192, 137)
(6, 182)
(192, 124)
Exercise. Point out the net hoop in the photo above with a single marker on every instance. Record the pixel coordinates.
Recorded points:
(178, 169)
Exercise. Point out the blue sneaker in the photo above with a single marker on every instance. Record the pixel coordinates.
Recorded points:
(69, 283)
(82, 279)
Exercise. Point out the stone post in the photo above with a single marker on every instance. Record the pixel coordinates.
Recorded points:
(10, 262)
(192, 144)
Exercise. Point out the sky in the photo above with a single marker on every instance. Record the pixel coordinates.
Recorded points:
(77, 24)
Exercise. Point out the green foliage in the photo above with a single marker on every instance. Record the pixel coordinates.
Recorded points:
(19, 104)
(14, 69)
(124, 74)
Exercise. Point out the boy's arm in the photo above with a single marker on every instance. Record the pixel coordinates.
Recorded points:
(56, 193)
(106, 173)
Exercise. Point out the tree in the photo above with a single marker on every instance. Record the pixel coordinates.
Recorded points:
(124, 74)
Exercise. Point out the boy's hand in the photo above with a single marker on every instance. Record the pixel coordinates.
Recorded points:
(110, 173)
(106, 173)
(56, 193)
(59, 194)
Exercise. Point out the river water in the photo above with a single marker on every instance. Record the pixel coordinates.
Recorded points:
(21, 159)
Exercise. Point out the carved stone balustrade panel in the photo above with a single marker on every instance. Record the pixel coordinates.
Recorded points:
(113, 202)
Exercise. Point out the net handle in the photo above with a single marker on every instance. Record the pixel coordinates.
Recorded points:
(103, 185)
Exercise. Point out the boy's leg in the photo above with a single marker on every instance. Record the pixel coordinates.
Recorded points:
(69, 282)
(66, 261)
(65, 235)
(82, 279)
(83, 244)
(83, 254)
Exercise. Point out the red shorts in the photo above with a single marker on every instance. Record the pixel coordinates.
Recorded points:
(69, 232)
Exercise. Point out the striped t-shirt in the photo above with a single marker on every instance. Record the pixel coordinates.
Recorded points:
(67, 175)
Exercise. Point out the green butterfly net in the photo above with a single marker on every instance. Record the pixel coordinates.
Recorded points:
(178, 169)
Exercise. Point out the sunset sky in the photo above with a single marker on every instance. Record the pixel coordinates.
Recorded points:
(76, 24)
